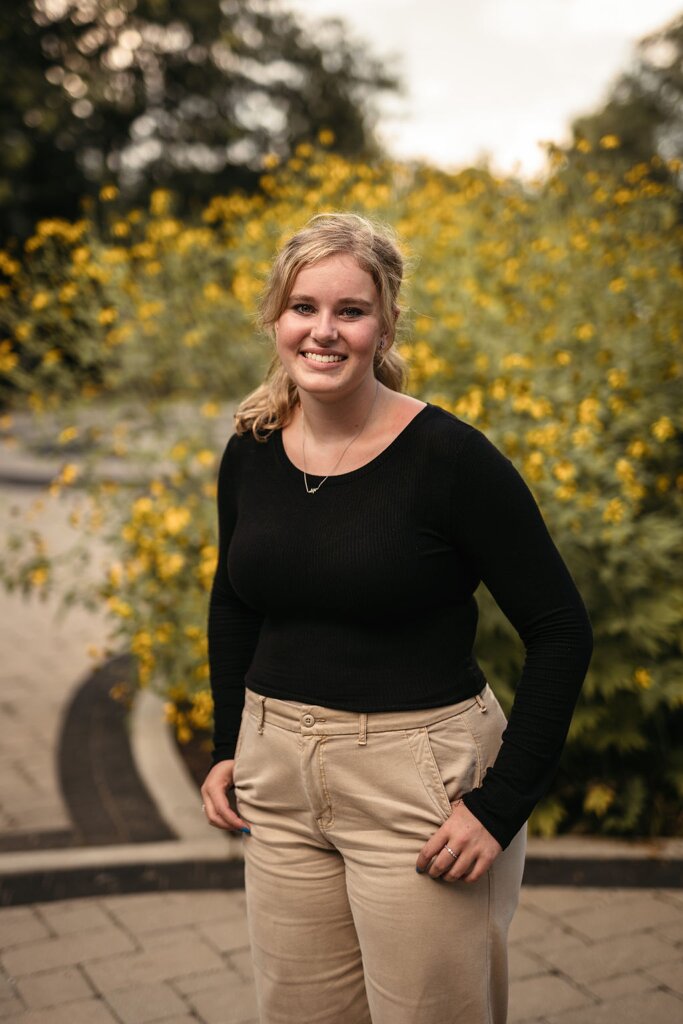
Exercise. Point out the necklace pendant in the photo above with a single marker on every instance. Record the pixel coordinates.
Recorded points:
(312, 490)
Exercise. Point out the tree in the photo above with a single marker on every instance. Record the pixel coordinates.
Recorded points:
(186, 94)
(644, 109)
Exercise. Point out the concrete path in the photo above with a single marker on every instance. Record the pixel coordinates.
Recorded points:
(578, 955)
(582, 956)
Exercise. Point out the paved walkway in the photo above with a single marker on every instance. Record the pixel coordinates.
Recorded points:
(586, 956)
(578, 955)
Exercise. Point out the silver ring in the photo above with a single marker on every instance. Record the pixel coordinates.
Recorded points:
(453, 855)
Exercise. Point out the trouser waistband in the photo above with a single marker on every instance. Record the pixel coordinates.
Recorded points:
(316, 720)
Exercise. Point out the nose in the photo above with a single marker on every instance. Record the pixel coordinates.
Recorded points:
(324, 329)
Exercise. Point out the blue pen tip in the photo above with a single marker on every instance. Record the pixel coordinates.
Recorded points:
(246, 830)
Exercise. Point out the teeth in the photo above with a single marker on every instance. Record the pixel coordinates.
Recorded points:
(322, 359)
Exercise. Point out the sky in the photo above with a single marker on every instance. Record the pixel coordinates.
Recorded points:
(493, 77)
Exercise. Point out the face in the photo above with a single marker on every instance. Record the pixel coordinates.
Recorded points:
(330, 328)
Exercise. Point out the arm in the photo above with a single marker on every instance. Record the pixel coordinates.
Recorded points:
(501, 531)
(232, 633)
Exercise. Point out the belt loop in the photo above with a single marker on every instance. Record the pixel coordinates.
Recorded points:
(480, 701)
(262, 713)
(363, 730)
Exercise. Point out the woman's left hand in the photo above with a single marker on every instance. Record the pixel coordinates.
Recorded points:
(474, 845)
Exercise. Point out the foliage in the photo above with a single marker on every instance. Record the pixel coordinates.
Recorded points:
(644, 108)
(549, 315)
(182, 94)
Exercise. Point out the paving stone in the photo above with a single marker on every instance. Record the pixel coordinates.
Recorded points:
(6, 988)
(234, 1005)
(671, 975)
(20, 924)
(563, 901)
(203, 980)
(10, 1007)
(173, 961)
(555, 899)
(639, 1009)
(142, 1003)
(68, 916)
(673, 933)
(49, 988)
(612, 957)
(641, 912)
(622, 985)
(554, 940)
(87, 1011)
(243, 964)
(70, 949)
(527, 924)
(173, 909)
(226, 935)
(531, 997)
(522, 965)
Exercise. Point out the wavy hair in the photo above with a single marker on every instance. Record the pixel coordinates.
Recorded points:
(374, 247)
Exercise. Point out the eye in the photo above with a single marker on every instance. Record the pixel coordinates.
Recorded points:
(352, 311)
(302, 307)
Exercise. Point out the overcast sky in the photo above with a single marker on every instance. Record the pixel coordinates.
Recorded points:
(494, 76)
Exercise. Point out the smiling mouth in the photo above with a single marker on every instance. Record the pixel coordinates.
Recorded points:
(315, 358)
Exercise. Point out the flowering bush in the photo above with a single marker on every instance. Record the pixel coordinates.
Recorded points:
(546, 313)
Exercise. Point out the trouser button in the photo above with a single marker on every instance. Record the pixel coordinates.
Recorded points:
(308, 720)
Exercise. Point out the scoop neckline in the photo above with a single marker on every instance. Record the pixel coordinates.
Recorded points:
(352, 474)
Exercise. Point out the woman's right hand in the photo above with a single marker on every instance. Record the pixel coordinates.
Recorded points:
(214, 792)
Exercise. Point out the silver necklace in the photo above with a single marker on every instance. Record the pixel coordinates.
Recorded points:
(312, 490)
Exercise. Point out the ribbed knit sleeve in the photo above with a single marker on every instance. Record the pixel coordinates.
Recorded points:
(502, 533)
(233, 627)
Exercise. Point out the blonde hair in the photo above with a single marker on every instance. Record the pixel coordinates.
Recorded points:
(374, 248)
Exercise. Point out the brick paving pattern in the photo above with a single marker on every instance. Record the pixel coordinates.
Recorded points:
(578, 956)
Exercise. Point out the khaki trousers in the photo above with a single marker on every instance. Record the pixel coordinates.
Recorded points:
(343, 929)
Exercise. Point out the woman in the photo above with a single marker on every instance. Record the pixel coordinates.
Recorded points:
(383, 795)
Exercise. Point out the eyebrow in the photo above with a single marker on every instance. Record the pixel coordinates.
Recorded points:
(347, 299)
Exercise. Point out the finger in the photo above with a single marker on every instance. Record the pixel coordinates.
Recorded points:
(443, 863)
(220, 814)
(461, 868)
(431, 848)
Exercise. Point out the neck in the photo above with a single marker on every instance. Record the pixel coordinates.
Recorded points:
(332, 419)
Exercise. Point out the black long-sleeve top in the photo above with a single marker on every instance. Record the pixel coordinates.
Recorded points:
(361, 596)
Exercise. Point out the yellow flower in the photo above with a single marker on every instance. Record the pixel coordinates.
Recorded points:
(206, 457)
(142, 506)
(643, 678)
(270, 160)
(663, 429)
(584, 332)
(175, 519)
(212, 291)
(326, 137)
(159, 202)
(66, 435)
(120, 608)
(610, 141)
(107, 315)
(108, 192)
(40, 300)
(8, 358)
(210, 410)
(614, 511)
(38, 577)
(618, 284)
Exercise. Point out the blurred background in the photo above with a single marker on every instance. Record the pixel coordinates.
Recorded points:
(154, 154)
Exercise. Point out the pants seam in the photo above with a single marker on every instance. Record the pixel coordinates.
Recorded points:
(323, 782)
